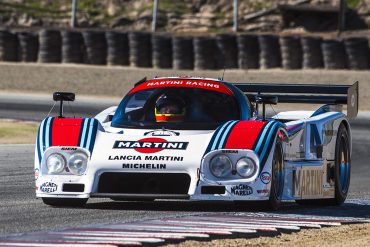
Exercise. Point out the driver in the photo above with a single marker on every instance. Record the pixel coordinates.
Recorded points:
(169, 108)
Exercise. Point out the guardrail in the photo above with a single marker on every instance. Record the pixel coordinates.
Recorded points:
(165, 50)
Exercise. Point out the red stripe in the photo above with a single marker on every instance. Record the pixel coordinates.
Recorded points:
(181, 82)
(244, 134)
(65, 131)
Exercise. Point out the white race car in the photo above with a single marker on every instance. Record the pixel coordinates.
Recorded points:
(201, 139)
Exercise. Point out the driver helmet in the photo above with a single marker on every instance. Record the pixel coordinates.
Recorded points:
(169, 108)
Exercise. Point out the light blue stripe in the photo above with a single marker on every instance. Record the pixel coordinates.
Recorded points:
(225, 134)
(42, 134)
(47, 134)
(219, 134)
(269, 139)
(90, 133)
(84, 132)
(262, 137)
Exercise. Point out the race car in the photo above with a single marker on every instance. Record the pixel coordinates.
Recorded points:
(203, 139)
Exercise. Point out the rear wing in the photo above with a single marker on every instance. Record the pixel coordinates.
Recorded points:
(306, 93)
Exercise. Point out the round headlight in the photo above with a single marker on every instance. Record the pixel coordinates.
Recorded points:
(220, 166)
(246, 167)
(55, 163)
(77, 163)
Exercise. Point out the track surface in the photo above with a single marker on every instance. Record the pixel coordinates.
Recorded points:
(21, 212)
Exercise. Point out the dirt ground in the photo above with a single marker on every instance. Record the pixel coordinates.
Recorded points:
(343, 236)
(117, 81)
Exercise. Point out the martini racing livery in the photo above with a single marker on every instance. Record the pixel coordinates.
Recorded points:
(201, 139)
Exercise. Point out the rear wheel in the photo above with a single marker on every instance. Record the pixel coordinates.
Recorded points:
(277, 181)
(342, 166)
(65, 202)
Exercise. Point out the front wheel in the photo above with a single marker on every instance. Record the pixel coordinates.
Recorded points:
(277, 181)
(65, 202)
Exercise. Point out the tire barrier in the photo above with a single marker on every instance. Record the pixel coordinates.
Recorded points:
(162, 51)
(357, 50)
(291, 52)
(312, 55)
(205, 53)
(28, 48)
(72, 47)
(96, 47)
(50, 46)
(118, 48)
(8, 46)
(334, 54)
(270, 56)
(227, 51)
(140, 49)
(183, 53)
(248, 51)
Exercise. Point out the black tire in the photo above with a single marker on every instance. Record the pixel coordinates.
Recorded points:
(277, 177)
(342, 171)
(65, 202)
(342, 165)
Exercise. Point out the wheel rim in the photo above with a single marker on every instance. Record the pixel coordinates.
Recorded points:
(344, 166)
(278, 172)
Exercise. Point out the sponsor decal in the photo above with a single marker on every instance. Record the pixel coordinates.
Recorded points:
(241, 190)
(145, 166)
(163, 132)
(265, 191)
(48, 187)
(230, 151)
(265, 177)
(68, 148)
(37, 172)
(308, 182)
(151, 145)
(147, 157)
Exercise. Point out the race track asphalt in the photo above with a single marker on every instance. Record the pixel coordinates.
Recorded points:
(20, 212)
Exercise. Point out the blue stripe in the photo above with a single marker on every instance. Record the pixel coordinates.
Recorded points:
(223, 138)
(40, 136)
(90, 132)
(262, 137)
(219, 134)
(93, 138)
(47, 134)
(84, 132)
(43, 135)
(38, 145)
(270, 135)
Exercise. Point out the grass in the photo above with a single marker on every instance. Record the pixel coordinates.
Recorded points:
(16, 132)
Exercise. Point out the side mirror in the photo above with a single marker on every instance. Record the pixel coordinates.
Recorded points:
(266, 99)
(63, 96)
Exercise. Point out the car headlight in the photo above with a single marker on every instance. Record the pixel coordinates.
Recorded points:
(55, 163)
(246, 167)
(220, 166)
(77, 163)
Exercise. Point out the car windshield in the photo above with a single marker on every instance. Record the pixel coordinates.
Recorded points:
(200, 109)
